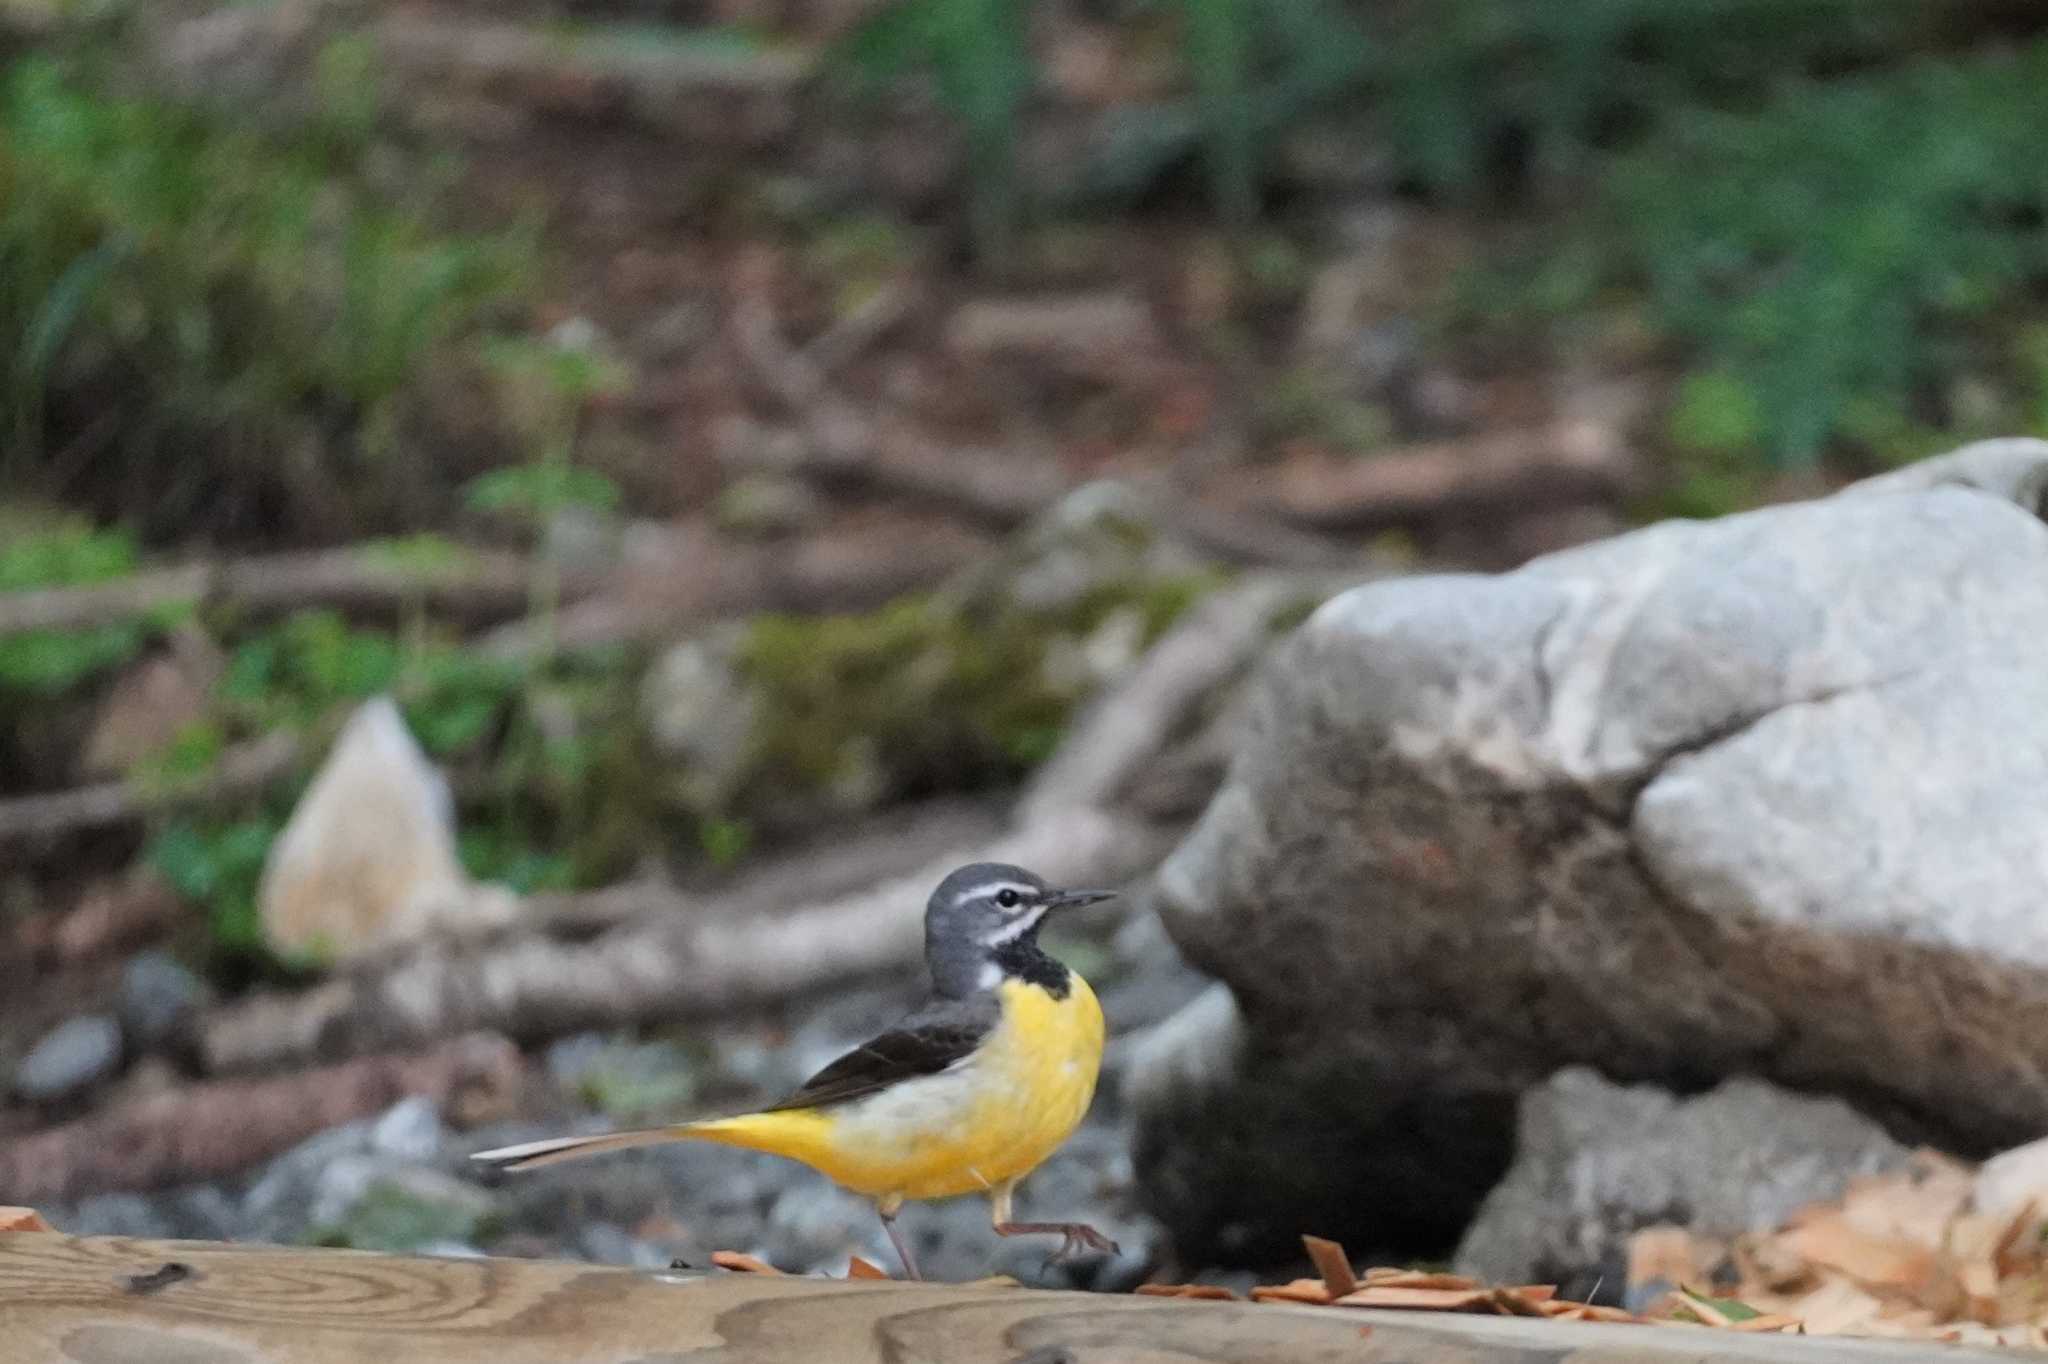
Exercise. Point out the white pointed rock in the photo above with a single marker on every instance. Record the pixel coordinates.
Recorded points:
(368, 859)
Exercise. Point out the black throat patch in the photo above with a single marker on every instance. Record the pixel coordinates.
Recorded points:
(1023, 960)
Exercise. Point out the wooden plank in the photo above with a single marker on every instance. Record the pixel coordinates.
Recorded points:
(111, 1300)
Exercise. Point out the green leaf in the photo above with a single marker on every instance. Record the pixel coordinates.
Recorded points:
(1219, 52)
(541, 489)
(1730, 1308)
(889, 42)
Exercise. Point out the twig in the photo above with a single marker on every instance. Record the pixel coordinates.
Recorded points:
(706, 576)
(477, 584)
(243, 769)
(868, 322)
(1572, 461)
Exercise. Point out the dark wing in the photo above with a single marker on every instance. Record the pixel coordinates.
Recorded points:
(925, 1043)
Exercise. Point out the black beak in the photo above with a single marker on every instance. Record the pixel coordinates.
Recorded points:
(1074, 899)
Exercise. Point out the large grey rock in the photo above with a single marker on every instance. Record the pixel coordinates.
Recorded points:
(1764, 794)
(1596, 1162)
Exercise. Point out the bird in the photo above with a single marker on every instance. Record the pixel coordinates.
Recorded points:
(967, 1094)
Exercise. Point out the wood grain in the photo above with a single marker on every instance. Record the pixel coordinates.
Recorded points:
(110, 1300)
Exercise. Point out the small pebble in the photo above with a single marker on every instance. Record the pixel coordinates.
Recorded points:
(73, 1056)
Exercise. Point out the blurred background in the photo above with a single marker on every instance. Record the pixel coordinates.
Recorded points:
(532, 533)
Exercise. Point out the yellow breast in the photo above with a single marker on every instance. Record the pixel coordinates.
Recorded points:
(966, 1130)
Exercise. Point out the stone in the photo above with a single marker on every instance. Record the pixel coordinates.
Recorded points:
(1596, 1162)
(625, 1080)
(409, 1130)
(157, 1001)
(768, 505)
(277, 1198)
(1756, 795)
(700, 716)
(72, 1057)
(368, 859)
(367, 1204)
(1099, 537)
(2011, 1180)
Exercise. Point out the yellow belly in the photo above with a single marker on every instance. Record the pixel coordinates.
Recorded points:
(965, 1130)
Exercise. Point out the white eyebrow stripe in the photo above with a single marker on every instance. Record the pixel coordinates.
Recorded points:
(995, 888)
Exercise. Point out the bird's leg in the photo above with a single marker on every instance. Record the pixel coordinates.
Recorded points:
(1074, 1236)
(888, 1208)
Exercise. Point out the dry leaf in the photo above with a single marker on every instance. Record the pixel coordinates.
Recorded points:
(1876, 1260)
(857, 1268)
(1416, 1278)
(741, 1262)
(1509, 1302)
(1837, 1307)
(1421, 1299)
(1301, 1290)
(1330, 1261)
(1206, 1291)
(23, 1219)
(2011, 1253)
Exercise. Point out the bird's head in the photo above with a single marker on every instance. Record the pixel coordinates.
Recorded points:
(986, 911)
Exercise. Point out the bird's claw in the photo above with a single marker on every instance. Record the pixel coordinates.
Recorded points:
(1079, 1236)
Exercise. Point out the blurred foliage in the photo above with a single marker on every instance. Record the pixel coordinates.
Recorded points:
(977, 52)
(1825, 203)
(1254, 65)
(217, 864)
(48, 663)
(1822, 252)
(207, 321)
(1471, 91)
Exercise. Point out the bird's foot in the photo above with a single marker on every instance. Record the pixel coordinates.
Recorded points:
(1075, 1237)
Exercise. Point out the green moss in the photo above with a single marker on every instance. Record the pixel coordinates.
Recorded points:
(924, 694)
(1309, 401)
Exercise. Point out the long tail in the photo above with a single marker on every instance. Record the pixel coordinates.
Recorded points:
(532, 1154)
(795, 1133)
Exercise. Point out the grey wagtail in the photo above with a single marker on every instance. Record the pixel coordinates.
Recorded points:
(967, 1094)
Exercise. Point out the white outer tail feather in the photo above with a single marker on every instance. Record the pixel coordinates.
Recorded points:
(532, 1154)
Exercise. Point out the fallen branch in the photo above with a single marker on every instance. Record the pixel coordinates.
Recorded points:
(1573, 461)
(697, 575)
(209, 1130)
(674, 962)
(474, 584)
(242, 770)
(111, 916)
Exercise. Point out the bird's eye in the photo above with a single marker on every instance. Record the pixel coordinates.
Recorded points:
(1007, 898)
